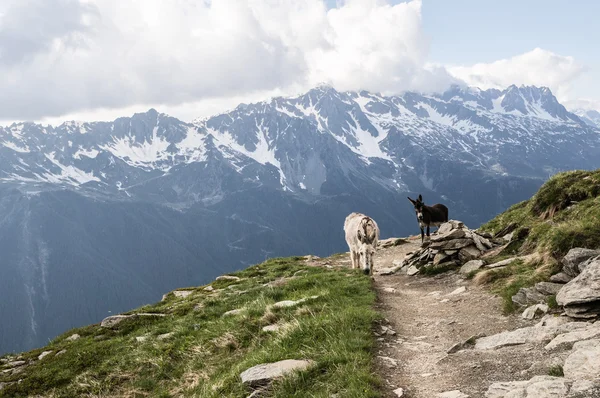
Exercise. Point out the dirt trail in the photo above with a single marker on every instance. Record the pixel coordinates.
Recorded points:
(428, 320)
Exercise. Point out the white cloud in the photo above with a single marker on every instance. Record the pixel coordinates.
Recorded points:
(85, 55)
(98, 59)
(537, 67)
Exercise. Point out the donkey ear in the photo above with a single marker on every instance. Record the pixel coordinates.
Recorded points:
(411, 201)
(420, 198)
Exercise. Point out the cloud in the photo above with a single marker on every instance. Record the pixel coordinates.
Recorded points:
(61, 57)
(537, 67)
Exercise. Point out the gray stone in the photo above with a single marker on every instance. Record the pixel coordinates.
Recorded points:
(451, 252)
(583, 292)
(165, 336)
(209, 288)
(390, 362)
(501, 263)
(412, 270)
(548, 288)
(459, 290)
(182, 293)
(576, 256)
(271, 328)
(116, 319)
(292, 303)
(445, 228)
(73, 337)
(400, 391)
(233, 312)
(14, 364)
(561, 277)
(537, 387)
(454, 234)
(566, 340)
(534, 310)
(584, 361)
(141, 339)
(440, 258)
(452, 394)
(468, 253)
(469, 343)
(44, 354)
(389, 290)
(228, 278)
(471, 266)
(264, 373)
(451, 244)
(529, 295)
(531, 334)
(61, 352)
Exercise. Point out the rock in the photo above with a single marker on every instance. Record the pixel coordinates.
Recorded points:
(561, 277)
(531, 334)
(471, 266)
(73, 337)
(209, 288)
(412, 270)
(585, 389)
(583, 292)
(61, 352)
(584, 361)
(445, 228)
(182, 293)
(534, 310)
(548, 288)
(228, 278)
(566, 340)
(576, 256)
(400, 391)
(44, 354)
(389, 290)
(291, 303)
(264, 373)
(469, 343)
(527, 296)
(468, 253)
(141, 339)
(271, 328)
(451, 244)
(553, 321)
(452, 394)
(460, 290)
(116, 319)
(537, 387)
(387, 330)
(501, 263)
(454, 234)
(450, 252)
(165, 336)
(508, 237)
(233, 312)
(439, 258)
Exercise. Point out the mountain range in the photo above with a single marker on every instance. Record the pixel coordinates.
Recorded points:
(100, 217)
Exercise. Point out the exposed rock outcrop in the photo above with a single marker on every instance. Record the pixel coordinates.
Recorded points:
(263, 374)
(580, 297)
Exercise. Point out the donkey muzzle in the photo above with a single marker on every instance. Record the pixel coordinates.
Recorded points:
(366, 271)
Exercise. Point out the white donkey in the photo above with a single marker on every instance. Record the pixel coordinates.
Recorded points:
(362, 235)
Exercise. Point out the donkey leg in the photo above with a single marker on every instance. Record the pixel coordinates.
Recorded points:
(428, 231)
(353, 258)
(422, 235)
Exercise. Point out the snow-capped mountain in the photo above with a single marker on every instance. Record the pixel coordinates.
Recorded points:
(105, 216)
(589, 116)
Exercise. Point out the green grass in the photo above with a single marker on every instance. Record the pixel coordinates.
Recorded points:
(208, 351)
(563, 214)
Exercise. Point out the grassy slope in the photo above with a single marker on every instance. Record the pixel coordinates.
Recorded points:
(563, 214)
(208, 351)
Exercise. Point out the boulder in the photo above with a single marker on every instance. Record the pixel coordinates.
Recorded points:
(412, 270)
(501, 263)
(534, 310)
(451, 244)
(566, 340)
(228, 278)
(454, 234)
(576, 256)
(581, 296)
(44, 354)
(73, 337)
(529, 295)
(440, 258)
(116, 319)
(537, 387)
(452, 394)
(468, 253)
(471, 266)
(584, 361)
(531, 334)
(548, 288)
(561, 277)
(264, 373)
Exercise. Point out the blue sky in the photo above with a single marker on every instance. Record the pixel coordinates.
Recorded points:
(100, 59)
